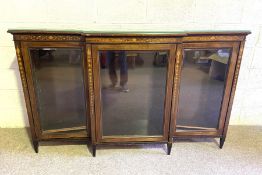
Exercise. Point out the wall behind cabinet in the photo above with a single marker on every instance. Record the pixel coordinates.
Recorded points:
(133, 15)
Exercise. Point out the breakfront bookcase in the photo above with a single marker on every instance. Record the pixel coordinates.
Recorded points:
(128, 87)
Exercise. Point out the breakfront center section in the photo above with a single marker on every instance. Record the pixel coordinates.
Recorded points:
(133, 92)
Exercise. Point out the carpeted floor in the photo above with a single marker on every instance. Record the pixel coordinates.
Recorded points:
(242, 154)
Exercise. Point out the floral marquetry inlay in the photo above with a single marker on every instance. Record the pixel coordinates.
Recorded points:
(213, 38)
(177, 69)
(47, 37)
(133, 40)
(90, 80)
(21, 66)
(238, 66)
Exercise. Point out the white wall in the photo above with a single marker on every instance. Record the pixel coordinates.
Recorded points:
(126, 15)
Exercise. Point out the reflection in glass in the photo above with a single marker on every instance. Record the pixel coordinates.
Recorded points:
(203, 78)
(58, 79)
(133, 92)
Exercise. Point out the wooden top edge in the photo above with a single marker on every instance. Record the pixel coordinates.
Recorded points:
(166, 33)
(139, 34)
(128, 33)
(97, 33)
(229, 32)
(27, 31)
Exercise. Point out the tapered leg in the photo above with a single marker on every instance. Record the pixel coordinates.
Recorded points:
(35, 144)
(169, 147)
(222, 141)
(94, 150)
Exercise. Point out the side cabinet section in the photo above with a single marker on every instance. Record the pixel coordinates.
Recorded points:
(203, 87)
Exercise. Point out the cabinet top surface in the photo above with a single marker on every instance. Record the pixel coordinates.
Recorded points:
(129, 33)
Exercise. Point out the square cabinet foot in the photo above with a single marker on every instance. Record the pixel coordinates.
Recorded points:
(169, 147)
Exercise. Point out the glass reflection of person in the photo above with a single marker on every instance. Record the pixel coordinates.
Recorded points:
(111, 59)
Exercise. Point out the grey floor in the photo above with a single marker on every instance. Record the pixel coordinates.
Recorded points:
(242, 154)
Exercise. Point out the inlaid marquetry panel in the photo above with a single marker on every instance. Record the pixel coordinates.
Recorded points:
(37, 37)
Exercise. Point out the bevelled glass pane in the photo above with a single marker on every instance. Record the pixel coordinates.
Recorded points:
(59, 87)
(203, 77)
(133, 92)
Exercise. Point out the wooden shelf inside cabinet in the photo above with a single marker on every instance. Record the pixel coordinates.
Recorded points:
(120, 87)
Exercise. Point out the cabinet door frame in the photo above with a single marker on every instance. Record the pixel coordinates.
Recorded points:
(79, 132)
(171, 48)
(212, 132)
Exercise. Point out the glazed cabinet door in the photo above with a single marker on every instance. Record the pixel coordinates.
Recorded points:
(132, 91)
(204, 80)
(55, 75)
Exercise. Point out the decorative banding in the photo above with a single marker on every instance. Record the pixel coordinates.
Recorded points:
(35, 37)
